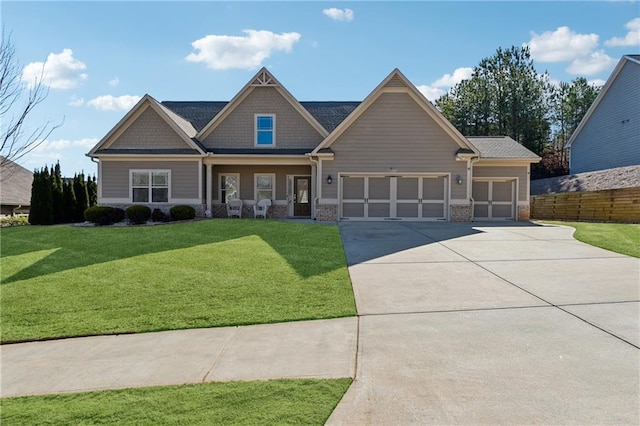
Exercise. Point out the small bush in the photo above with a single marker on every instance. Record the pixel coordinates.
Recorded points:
(116, 215)
(138, 214)
(14, 221)
(158, 215)
(103, 215)
(182, 212)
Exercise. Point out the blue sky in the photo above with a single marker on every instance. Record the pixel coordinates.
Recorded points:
(101, 57)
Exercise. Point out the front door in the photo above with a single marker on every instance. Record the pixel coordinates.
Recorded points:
(301, 195)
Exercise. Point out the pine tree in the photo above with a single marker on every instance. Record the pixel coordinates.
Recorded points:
(57, 195)
(92, 190)
(46, 194)
(82, 197)
(69, 201)
(34, 210)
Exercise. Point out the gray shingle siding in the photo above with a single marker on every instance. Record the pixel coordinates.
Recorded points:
(611, 136)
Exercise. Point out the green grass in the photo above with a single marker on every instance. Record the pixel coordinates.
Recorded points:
(62, 281)
(294, 402)
(618, 237)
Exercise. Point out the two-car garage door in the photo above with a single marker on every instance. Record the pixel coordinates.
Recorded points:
(377, 197)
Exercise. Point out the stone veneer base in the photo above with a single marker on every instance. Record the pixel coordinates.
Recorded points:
(460, 213)
(524, 213)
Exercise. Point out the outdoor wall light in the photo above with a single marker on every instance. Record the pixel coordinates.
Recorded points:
(329, 180)
(459, 180)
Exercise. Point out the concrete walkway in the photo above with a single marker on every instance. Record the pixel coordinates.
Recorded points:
(491, 324)
(322, 349)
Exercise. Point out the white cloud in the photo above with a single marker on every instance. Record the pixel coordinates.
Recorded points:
(220, 52)
(76, 101)
(50, 151)
(597, 82)
(631, 39)
(440, 86)
(561, 45)
(344, 15)
(114, 82)
(449, 80)
(59, 71)
(113, 103)
(593, 63)
(430, 92)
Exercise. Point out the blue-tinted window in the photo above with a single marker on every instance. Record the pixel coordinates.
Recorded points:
(264, 130)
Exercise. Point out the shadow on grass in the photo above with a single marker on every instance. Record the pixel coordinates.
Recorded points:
(308, 248)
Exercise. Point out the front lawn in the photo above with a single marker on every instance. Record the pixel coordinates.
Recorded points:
(294, 402)
(619, 237)
(62, 281)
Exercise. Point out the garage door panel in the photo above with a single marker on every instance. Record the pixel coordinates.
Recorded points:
(380, 188)
(407, 188)
(407, 210)
(379, 209)
(353, 210)
(352, 188)
(433, 210)
(433, 188)
(481, 211)
(502, 191)
(500, 211)
(480, 191)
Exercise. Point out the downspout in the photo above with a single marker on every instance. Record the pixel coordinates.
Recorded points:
(472, 161)
(316, 198)
(13, 210)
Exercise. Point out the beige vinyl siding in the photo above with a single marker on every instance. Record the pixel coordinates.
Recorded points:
(394, 133)
(237, 129)
(184, 177)
(247, 174)
(507, 171)
(149, 131)
(395, 81)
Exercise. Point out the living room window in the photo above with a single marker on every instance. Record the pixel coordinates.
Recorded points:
(150, 186)
(229, 187)
(265, 133)
(265, 186)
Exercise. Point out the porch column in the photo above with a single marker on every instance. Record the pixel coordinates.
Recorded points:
(209, 186)
(314, 189)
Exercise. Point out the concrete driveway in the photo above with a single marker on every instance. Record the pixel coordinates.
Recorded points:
(491, 323)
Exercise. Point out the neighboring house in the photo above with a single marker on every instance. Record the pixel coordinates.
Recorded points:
(391, 156)
(609, 134)
(15, 188)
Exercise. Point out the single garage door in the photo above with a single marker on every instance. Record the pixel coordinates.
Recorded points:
(494, 199)
(412, 197)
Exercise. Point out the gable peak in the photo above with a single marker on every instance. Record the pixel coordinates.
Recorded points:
(264, 78)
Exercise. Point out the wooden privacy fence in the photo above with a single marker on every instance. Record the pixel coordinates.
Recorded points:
(610, 205)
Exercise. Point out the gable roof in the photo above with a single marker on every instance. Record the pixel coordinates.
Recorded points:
(396, 82)
(182, 127)
(632, 60)
(328, 114)
(262, 79)
(15, 183)
(502, 147)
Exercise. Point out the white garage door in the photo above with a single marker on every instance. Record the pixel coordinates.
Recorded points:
(494, 199)
(413, 197)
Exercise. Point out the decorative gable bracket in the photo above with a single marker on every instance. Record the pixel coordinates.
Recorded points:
(264, 78)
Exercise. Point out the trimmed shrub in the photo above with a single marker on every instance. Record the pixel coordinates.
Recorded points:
(138, 214)
(116, 215)
(103, 215)
(14, 221)
(158, 215)
(182, 212)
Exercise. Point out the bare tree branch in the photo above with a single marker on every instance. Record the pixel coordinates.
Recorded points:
(17, 102)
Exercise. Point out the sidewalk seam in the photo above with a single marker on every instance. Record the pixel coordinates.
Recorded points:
(219, 354)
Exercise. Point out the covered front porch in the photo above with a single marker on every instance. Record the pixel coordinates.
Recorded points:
(288, 182)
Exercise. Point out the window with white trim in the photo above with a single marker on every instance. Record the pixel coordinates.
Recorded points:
(265, 187)
(265, 129)
(229, 187)
(150, 186)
